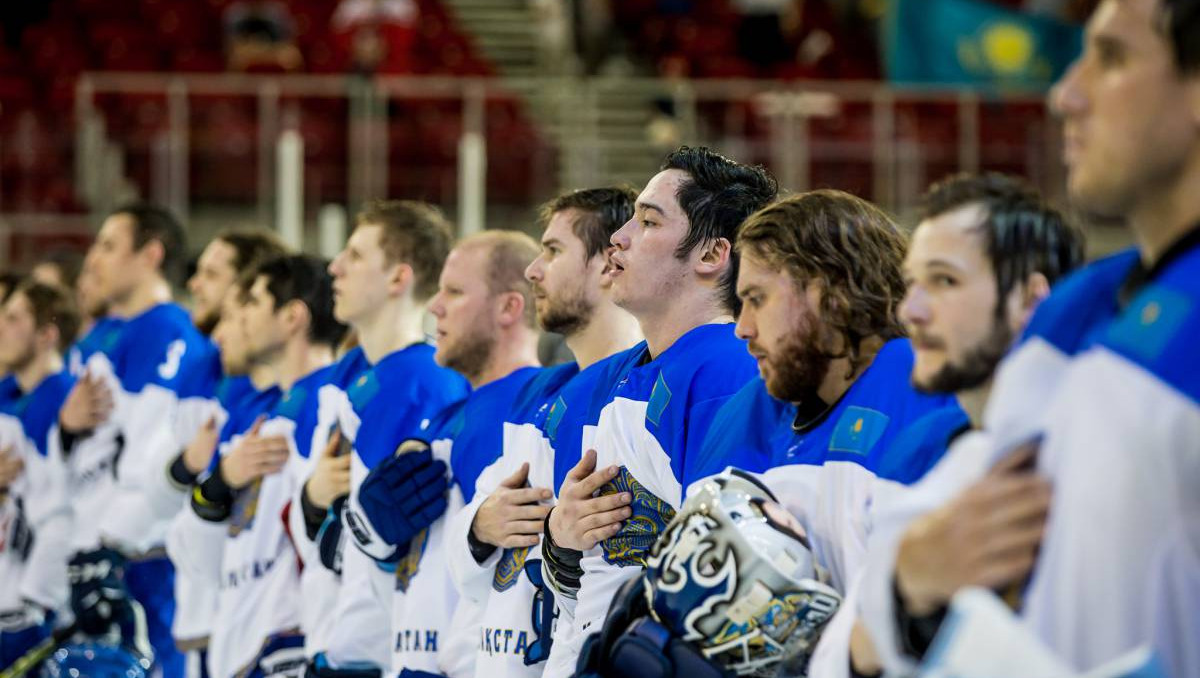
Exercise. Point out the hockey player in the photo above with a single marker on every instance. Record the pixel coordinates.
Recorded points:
(383, 282)
(97, 328)
(492, 544)
(226, 256)
(213, 290)
(142, 397)
(289, 326)
(485, 332)
(822, 322)
(245, 392)
(674, 269)
(1100, 396)
(37, 323)
(983, 256)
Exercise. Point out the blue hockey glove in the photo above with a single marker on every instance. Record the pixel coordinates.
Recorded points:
(99, 597)
(405, 494)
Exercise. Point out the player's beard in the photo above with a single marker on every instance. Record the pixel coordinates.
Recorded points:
(207, 323)
(801, 364)
(976, 366)
(470, 354)
(566, 315)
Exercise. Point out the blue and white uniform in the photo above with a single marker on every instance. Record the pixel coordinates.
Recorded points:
(388, 404)
(162, 374)
(651, 428)
(196, 546)
(914, 451)
(319, 586)
(500, 585)
(826, 472)
(258, 611)
(35, 513)
(102, 336)
(1109, 376)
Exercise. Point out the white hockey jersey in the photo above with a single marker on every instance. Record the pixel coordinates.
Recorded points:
(510, 602)
(1109, 375)
(35, 514)
(389, 403)
(652, 427)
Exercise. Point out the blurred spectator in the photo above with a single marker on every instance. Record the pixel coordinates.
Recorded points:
(663, 130)
(58, 268)
(760, 32)
(554, 34)
(810, 29)
(260, 35)
(594, 31)
(376, 36)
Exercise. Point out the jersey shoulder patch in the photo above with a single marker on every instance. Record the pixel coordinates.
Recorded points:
(1158, 329)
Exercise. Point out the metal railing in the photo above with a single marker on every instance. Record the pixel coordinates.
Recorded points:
(587, 132)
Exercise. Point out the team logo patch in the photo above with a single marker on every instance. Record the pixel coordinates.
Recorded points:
(554, 418)
(648, 520)
(170, 364)
(406, 569)
(858, 430)
(660, 397)
(292, 403)
(508, 570)
(363, 390)
(1151, 323)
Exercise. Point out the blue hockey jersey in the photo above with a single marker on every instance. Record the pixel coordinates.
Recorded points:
(387, 404)
(35, 515)
(1107, 377)
(500, 585)
(827, 472)
(651, 427)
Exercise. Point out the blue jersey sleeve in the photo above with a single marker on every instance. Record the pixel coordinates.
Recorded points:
(740, 433)
(163, 348)
(1082, 302)
(396, 399)
(38, 411)
(478, 428)
(921, 445)
(698, 375)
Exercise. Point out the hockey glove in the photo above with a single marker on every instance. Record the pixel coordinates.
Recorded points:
(99, 598)
(405, 494)
(331, 539)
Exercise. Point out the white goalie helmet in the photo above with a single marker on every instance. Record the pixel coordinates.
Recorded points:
(733, 578)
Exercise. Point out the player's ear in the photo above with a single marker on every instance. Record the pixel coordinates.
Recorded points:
(48, 337)
(1192, 88)
(296, 316)
(1026, 297)
(153, 253)
(511, 308)
(401, 279)
(714, 256)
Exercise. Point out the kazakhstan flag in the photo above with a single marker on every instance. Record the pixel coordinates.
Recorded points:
(973, 42)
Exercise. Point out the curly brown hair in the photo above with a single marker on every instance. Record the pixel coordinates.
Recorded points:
(849, 247)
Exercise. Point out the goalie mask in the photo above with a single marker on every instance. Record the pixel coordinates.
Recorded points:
(739, 584)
